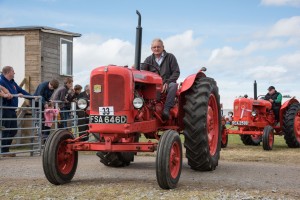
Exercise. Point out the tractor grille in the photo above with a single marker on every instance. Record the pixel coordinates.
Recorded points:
(116, 92)
(97, 99)
(114, 89)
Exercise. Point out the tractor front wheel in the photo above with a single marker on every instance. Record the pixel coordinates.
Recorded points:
(268, 138)
(291, 126)
(169, 160)
(59, 160)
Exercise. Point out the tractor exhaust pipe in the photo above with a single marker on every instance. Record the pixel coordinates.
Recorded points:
(138, 43)
(255, 90)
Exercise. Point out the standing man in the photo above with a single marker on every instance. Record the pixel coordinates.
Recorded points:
(46, 90)
(7, 81)
(164, 64)
(275, 98)
(82, 114)
(61, 95)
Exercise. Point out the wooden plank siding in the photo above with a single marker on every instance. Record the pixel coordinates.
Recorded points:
(42, 56)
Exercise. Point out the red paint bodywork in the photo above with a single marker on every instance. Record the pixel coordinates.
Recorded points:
(117, 86)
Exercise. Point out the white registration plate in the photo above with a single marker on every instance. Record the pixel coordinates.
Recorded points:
(108, 119)
(240, 123)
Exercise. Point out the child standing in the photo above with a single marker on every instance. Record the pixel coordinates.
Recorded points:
(50, 113)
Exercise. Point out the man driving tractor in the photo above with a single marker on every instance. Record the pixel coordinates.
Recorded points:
(165, 64)
(275, 98)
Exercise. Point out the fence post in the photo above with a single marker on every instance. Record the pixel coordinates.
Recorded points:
(75, 118)
(1, 126)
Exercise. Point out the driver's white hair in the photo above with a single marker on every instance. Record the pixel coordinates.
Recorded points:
(157, 40)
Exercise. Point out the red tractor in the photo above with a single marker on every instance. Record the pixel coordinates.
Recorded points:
(125, 103)
(255, 121)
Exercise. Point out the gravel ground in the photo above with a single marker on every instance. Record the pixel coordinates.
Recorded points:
(23, 178)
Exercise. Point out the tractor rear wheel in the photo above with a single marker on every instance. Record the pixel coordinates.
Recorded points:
(117, 159)
(253, 140)
(291, 126)
(59, 161)
(169, 160)
(268, 138)
(202, 125)
(224, 140)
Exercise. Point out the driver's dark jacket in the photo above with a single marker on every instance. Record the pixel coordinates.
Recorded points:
(274, 96)
(168, 69)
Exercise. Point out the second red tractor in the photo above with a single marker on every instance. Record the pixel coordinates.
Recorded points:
(254, 120)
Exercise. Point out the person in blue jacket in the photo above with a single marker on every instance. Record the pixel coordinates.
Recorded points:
(7, 81)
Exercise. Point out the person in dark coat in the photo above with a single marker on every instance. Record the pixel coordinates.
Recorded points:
(61, 95)
(45, 90)
(7, 81)
(275, 98)
(165, 64)
(82, 114)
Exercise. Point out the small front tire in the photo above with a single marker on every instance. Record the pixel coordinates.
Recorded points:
(169, 160)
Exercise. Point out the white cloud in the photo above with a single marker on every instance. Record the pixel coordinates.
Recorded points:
(295, 3)
(292, 60)
(270, 73)
(286, 27)
(64, 25)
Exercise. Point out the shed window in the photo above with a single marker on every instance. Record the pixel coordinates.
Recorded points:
(66, 57)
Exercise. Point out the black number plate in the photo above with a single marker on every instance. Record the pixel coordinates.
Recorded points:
(108, 119)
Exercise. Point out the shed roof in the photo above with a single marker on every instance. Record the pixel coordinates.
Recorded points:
(41, 28)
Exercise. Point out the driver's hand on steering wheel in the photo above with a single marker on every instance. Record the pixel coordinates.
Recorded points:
(164, 88)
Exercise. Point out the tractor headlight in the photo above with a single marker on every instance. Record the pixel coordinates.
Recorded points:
(138, 102)
(253, 113)
(230, 114)
(82, 103)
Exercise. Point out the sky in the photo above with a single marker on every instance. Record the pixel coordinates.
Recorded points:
(238, 41)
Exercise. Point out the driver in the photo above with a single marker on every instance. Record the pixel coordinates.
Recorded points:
(164, 64)
(275, 98)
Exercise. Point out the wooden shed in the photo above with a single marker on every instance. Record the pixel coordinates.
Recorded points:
(37, 53)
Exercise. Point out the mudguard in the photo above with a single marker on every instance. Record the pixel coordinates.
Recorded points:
(285, 106)
(188, 82)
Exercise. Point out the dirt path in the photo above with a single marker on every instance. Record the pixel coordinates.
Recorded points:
(23, 178)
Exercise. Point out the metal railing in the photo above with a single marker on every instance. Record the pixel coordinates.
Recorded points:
(31, 125)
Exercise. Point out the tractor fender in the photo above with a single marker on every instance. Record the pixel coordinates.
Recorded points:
(188, 82)
(286, 105)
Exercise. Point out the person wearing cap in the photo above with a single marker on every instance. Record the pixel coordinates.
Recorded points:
(275, 98)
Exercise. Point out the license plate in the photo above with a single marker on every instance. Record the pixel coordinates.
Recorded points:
(109, 110)
(240, 123)
(108, 119)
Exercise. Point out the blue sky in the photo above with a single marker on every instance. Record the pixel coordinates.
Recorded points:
(238, 41)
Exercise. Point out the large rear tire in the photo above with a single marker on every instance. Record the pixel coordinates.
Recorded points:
(202, 125)
(253, 140)
(169, 160)
(59, 161)
(291, 126)
(117, 159)
(268, 138)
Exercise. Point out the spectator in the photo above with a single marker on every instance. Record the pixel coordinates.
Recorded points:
(46, 90)
(83, 122)
(60, 95)
(74, 93)
(49, 114)
(7, 81)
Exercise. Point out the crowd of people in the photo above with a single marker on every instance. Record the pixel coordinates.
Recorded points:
(51, 94)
